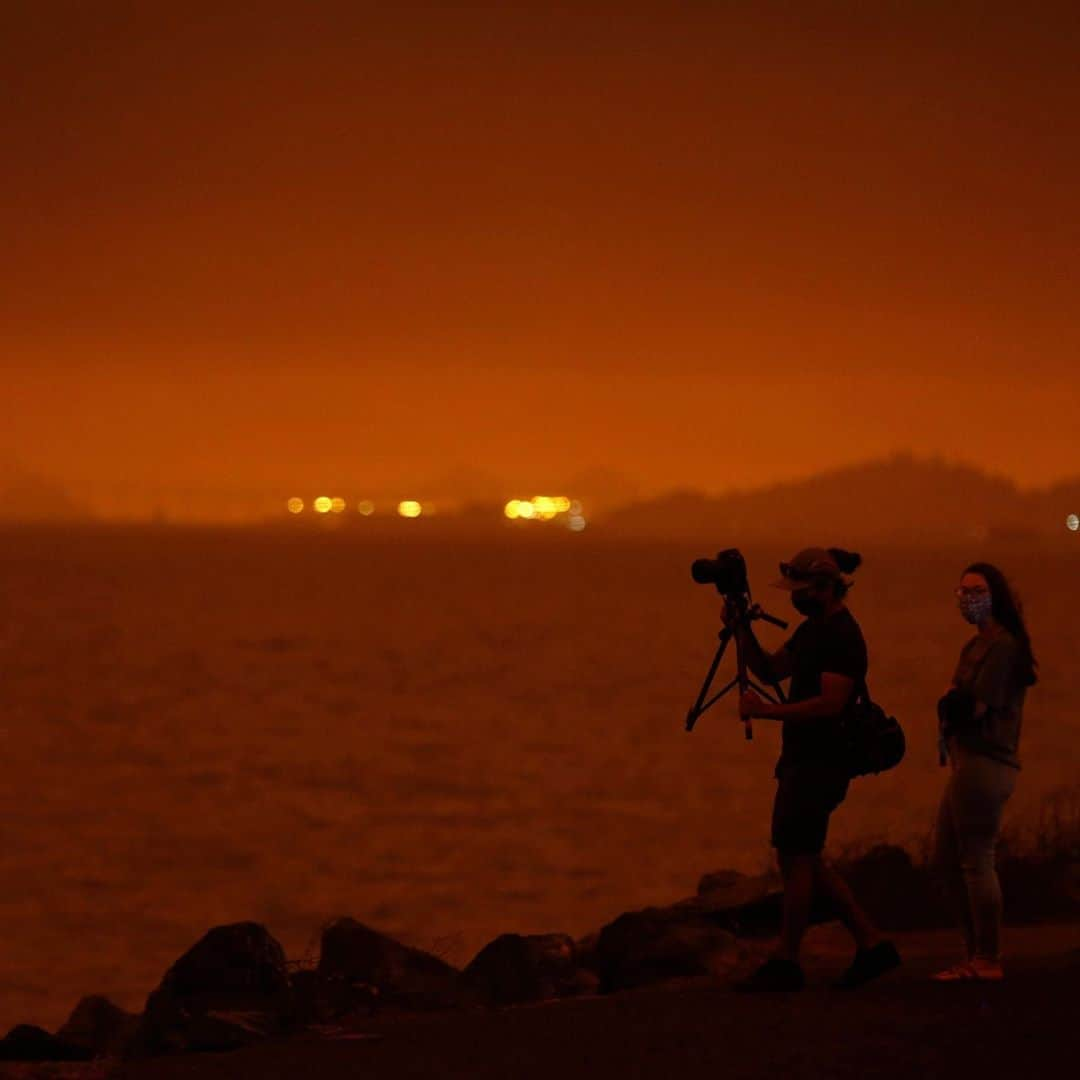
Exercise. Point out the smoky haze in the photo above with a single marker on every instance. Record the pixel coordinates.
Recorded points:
(264, 251)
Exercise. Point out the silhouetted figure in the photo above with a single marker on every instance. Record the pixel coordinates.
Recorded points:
(980, 717)
(826, 661)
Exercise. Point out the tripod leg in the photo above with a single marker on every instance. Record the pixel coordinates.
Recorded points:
(699, 706)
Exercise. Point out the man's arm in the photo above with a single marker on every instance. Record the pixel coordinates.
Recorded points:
(769, 667)
(835, 693)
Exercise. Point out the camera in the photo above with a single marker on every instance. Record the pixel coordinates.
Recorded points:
(727, 572)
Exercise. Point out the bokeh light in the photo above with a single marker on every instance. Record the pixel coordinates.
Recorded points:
(337, 505)
(322, 504)
(539, 508)
(295, 505)
(366, 507)
(577, 523)
(409, 509)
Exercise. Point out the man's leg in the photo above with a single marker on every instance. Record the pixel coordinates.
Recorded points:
(798, 872)
(831, 884)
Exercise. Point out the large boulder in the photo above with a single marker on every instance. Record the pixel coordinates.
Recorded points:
(228, 990)
(518, 967)
(27, 1042)
(642, 947)
(895, 892)
(355, 954)
(97, 1025)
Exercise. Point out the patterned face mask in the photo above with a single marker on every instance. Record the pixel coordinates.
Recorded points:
(976, 609)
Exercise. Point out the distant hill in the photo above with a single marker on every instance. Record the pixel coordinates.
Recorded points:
(26, 496)
(901, 498)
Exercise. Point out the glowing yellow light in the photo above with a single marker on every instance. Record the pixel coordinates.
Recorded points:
(526, 510)
(322, 504)
(337, 505)
(295, 505)
(511, 509)
(409, 509)
(366, 507)
(562, 504)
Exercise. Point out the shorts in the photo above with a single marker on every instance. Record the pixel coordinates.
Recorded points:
(806, 794)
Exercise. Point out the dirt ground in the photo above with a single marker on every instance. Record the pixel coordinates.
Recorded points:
(902, 1026)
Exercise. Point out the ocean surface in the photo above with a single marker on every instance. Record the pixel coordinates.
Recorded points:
(446, 739)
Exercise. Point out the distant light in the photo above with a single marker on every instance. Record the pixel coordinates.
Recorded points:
(366, 507)
(562, 504)
(1072, 522)
(295, 505)
(577, 522)
(526, 510)
(512, 509)
(337, 505)
(322, 504)
(409, 509)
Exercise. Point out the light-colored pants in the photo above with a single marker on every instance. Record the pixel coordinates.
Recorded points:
(965, 837)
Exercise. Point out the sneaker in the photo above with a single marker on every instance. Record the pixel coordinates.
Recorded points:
(869, 964)
(775, 974)
(975, 969)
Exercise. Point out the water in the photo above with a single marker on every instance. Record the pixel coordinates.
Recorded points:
(445, 739)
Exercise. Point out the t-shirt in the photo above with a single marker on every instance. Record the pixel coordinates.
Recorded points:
(833, 644)
(988, 669)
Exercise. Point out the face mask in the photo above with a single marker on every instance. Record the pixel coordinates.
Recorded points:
(806, 605)
(976, 609)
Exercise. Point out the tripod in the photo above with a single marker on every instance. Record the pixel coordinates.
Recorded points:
(746, 614)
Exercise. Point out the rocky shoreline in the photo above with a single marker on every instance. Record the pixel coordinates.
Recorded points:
(234, 987)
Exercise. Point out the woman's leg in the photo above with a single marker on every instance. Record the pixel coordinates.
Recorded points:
(982, 788)
(945, 860)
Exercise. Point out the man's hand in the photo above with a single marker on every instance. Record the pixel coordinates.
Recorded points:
(752, 705)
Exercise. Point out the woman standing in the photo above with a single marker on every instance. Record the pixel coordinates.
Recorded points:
(980, 718)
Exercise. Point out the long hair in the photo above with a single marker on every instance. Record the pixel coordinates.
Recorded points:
(1008, 611)
(849, 562)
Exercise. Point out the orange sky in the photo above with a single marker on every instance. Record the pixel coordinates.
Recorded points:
(705, 244)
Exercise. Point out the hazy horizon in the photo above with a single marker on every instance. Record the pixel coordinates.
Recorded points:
(260, 248)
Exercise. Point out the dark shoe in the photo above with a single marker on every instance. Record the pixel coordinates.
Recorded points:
(774, 975)
(869, 964)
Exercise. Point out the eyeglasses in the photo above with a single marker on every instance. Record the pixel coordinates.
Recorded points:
(972, 590)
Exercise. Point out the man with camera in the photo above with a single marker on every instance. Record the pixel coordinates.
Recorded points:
(826, 660)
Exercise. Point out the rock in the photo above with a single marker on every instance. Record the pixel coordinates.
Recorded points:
(517, 967)
(896, 893)
(229, 989)
(27, 1042)
(97, 1025)
(729, 888)
(643, 947)
(585, 950)
(323, 1000)
(403, 976)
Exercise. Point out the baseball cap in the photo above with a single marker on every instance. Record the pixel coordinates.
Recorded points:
(805, 566)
